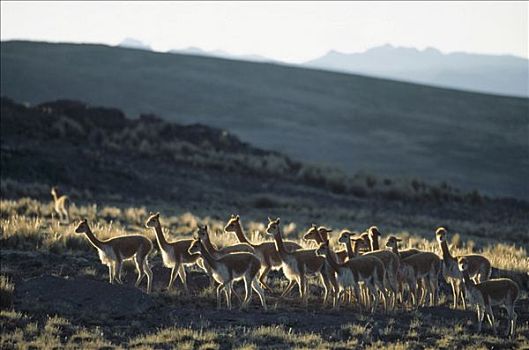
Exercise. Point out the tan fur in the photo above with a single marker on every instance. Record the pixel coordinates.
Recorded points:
(265, 251)
(424, 267)
(495, 292)
(114, 251)
(319, 235)
(228, 268)
(367, 270)
(390, 260)
(479, 268)
(60, 205)
(297, 264)
(175, 255)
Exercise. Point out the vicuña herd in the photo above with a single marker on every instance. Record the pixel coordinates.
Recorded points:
(362, 273)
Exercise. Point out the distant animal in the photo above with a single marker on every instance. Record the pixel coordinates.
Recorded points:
(114, 251)
(60, 205)
(495, 292)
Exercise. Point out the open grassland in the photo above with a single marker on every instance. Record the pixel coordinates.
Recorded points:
(55, 292)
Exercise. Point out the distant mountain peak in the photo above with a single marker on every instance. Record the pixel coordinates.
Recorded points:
(132, 43)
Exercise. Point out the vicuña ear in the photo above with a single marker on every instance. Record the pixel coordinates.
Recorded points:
(398, 239)
(270, 220)
(278, 220)
(237, 217)
(157, 214)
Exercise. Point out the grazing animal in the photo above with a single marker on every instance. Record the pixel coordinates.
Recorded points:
(479, 268)
(175, 255)
(230, 268)
(60, 205)
(501, 292)
(114, 251)
(265, 251)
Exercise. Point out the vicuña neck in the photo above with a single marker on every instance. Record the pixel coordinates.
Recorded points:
(210, 260)
(280, 246)
(160, 237)
(331, 260)
(93, 239)
(240, 235)
(54, 195)
(350, 251)
(446, 252)
(374, 242)
(209, 246)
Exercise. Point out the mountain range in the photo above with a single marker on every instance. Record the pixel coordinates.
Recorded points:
(495, 74)
(504, 75)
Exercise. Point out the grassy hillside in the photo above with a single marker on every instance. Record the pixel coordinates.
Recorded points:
(358, 123)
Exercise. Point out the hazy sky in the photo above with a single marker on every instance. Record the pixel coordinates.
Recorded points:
(288, 31)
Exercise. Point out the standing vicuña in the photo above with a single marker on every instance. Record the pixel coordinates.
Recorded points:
(60, 205)
(298, 264)
(230, 268)
(175, 255)
(479, 268)
(114, 251)
(390, 260)
(265, 251)
(368, 270)
(502, 291)
(424, 267)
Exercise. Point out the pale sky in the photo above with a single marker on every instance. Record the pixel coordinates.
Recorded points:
(288, 31)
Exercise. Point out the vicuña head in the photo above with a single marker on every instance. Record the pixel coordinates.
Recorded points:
(82, 227)
(153, 220)
(393, 242)
(345, 236)
(373, 232)
(318, 234)
(233, 224)
(54, 191)
(194, 248)
(273, 227)
(440, 234)
(202, 232)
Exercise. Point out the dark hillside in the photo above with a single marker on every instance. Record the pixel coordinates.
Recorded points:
(98, 154)
(392, 129)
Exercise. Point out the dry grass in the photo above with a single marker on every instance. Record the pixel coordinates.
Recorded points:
(29, 226)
